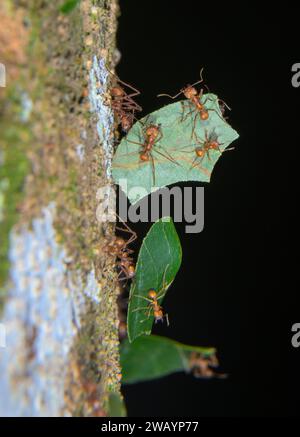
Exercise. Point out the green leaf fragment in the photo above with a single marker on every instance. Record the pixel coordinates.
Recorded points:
(173, 154)
(158, 263)
(150, 357)
(68, 6)
(116, 406)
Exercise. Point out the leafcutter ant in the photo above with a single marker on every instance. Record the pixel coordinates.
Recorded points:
(123, 103)
(152, 135)
(194, 105)
(152, 298)
(118, 247)
(204, 147)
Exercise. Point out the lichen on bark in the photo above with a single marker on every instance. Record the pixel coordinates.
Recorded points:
(69, 136)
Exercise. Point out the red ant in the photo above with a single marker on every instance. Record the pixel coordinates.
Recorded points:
(123, 104)
(154, 306)
(209, 143)
(194, 99)
(118, 247)
(152, 298)
(202, 366)
(152, 134)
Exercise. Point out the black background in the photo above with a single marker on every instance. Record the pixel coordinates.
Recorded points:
(234, 290)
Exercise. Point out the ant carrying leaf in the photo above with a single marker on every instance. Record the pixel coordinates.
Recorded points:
(158, 262)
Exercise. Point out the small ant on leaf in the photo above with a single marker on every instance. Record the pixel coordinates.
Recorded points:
(152, 135)
(152, 298)
(208, 144)
(194, 104)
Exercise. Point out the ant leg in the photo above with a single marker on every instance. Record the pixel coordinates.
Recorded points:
(194, 127)
(135, 142)
(143, 297)
(184, 117)
(199, 140)
(167, 153)
(125, 278)
(167, 319)
(149, 312)
(131, 239)
(153, 168)
(130, 231)
(137, 92)
(220, 116)
(144, 123)
(131, 95)
(169, 157)
(168, 95)
(139, 309)
(225, 104)
(228, 150)
(164, 287)
(129, 104)
(202, 169)
(194, 163)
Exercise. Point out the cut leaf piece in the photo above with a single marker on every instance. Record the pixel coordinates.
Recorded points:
(158, 262)
(116, 406)
(150, 357)
(173, 155)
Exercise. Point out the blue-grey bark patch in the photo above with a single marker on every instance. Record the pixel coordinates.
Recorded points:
(41, 318)
(98, 88)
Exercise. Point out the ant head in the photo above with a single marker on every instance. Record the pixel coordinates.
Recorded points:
(189, 92)
(152, 130)
(204, 114)
(199, 152)
(152, 294)
(144, 156)
(214, 145)
(120, 242)
(131, 271)
(126, 122)
(124, 254)
(117, 91)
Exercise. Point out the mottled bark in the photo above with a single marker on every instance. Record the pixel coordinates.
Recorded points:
(59, 289)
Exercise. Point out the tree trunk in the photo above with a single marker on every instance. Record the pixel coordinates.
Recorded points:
(59, 318)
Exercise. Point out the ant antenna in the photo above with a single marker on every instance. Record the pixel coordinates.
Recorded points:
(180, 92)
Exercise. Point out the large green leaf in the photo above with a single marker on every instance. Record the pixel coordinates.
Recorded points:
(177, 143)
(150, 357)
(158, 262)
